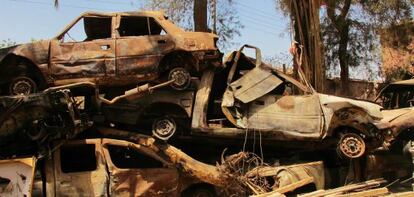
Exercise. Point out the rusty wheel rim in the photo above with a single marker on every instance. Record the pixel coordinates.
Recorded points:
(164, 128)
(182, 78)
(22, 85)
(352, 145)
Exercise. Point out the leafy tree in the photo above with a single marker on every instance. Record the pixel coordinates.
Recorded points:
(193, 14)
(6, 43)
(349, 27)
(397, 51)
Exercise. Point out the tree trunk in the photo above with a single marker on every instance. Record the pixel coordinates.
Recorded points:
(343, 59)
(200, 16)
(307, 32)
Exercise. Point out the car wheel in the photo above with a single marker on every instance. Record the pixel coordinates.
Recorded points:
(36, 132)
(22, 85)
(164, 128)
(181, 77)
(351, 146)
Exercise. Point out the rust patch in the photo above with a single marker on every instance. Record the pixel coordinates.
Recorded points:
(286, 102)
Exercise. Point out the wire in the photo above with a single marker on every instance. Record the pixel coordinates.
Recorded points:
(112, 2)
(258, 10)
(259, 22)
(261, 27)
(51, 4)
(260, 15)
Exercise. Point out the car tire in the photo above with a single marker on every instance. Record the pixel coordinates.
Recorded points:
(22, 85)
(351, 146)
(164, 128)
(181, 77)
(36, 132)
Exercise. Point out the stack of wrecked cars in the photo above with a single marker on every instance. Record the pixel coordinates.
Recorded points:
(76, 109)
(250, 96)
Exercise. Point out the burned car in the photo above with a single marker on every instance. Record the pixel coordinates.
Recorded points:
(109, 167)
(397, 95)
(249, 97)
(110, 49)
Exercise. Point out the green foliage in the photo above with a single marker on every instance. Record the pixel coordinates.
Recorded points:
(360, 22)
(7, 43)
(181, 12)
(398, 74)
(364, 18)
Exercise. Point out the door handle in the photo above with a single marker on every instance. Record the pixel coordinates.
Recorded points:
(105, 47)
(162, 41)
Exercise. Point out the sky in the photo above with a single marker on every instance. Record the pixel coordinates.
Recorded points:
(24, 20)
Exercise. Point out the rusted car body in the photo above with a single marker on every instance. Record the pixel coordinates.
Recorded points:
(396, 95)
(117, 49)
(250, 96)
(108, 167)
(266, 100)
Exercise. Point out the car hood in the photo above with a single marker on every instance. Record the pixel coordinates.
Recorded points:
(37, 52)
(196, 40)
(391, 115)
(335, 102)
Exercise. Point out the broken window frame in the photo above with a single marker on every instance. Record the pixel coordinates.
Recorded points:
(62, 34)
(71, 146)
(133, 146)
(122, 160)
(148, 19)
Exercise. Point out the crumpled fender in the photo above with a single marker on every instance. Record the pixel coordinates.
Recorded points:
(337, 103)
(398, 119)
(5, 51)
(336, 109)
(37, 52)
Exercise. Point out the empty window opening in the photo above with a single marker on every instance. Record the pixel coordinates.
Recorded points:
(139, 26)
(125, 157)
(77, 158)
(89, 28)
(4, 184)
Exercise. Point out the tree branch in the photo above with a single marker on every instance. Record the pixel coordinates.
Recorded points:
(345, 9)
(330, 8)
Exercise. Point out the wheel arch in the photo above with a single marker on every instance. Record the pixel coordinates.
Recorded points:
(345, 128)
(172, 59)
(354, 119)
(11, 61)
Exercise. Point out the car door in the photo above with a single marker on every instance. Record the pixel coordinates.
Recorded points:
(80, 169)
(85, 51)
(140, 45)
(283, 115)
(136, 172)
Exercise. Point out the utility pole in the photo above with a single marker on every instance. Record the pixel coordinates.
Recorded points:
(214, 14)
(200, 15)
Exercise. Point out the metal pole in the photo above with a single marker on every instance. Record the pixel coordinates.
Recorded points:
(214, 8)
